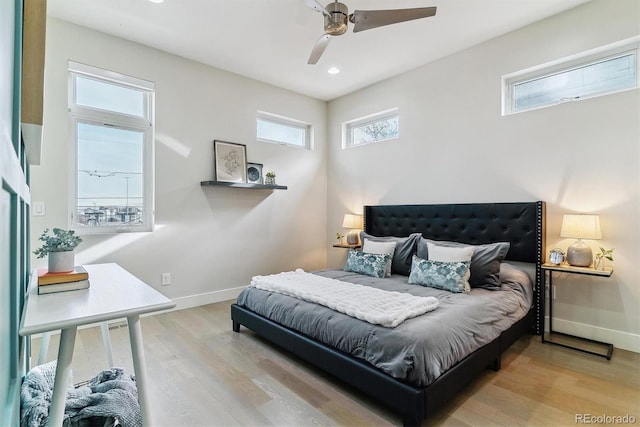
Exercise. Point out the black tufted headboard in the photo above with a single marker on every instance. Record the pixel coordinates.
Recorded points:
(521, 224)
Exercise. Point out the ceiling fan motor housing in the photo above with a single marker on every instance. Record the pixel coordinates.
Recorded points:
(336, 23)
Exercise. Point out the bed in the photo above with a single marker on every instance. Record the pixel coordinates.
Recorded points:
(416, 395)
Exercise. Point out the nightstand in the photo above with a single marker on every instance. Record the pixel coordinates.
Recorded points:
(569, 269)
(346, 246)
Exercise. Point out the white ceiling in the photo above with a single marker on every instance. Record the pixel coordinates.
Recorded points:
(270, 40)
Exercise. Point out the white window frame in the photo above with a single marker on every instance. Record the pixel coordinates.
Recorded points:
(95, 116)
(347, 127)
(603, 53)
(289, 122)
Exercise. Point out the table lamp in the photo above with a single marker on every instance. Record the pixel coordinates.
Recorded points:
(580, 227)
(354, 222)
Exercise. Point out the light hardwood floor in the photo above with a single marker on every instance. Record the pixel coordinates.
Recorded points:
(203, 374)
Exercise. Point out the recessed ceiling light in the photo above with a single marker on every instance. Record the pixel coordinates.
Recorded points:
(156, 1)
(333, 70)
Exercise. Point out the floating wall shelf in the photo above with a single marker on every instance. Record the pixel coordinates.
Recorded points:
(242, 185)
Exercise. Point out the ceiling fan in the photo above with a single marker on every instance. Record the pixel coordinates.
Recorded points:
(337, 18)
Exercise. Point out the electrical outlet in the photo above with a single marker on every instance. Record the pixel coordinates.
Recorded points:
(165, 279)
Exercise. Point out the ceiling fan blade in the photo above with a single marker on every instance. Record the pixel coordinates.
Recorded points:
(317, 6)
(319, 48)
(368, 19)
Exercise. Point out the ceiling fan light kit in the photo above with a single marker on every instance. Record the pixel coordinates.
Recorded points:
(337, 18)
(336, 22)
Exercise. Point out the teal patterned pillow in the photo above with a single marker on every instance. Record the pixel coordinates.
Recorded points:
(449, 276)
(365, 263)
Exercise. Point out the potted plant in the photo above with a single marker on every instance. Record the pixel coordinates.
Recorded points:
(60, 247)
(271, 178)
(604, 254)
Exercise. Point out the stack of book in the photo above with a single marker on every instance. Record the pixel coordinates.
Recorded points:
(59, 282)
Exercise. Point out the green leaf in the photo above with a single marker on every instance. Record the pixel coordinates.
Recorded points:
(61, 240)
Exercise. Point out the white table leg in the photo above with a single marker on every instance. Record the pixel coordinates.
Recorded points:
(139, 366)
(44, 347)
(63, 376)
(106, 340)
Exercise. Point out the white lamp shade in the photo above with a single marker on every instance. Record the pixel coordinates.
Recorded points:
(581, 227)
(352, 221)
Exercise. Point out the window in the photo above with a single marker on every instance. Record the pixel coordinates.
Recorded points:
(283, 130)
(112, 131)
(377, 127)
(599, 72)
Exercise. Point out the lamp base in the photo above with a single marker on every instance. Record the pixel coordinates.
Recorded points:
(579, 254)
(352, 238)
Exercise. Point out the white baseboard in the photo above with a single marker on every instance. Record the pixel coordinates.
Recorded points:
(206, 298)
(619, 339)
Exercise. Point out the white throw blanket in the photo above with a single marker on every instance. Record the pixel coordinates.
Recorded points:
(376, 306)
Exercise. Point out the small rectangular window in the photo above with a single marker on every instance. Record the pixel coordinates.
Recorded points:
(377, 127)
(605, 71)
(282, 130)
(112, 132)
(108, 96)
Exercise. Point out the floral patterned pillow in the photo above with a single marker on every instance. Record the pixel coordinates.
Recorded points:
(449, 276)
(366, 263)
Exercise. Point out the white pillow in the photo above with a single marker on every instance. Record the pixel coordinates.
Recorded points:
(452, 254)
(380, 248)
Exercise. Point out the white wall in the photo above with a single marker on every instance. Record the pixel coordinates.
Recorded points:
(456, 147)
(210, 239)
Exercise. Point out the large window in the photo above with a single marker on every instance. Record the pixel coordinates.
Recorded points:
(283, 130)
(112, 131)
(382, 126)
(599, 72)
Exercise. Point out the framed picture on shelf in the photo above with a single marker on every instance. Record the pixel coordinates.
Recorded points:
(230, 161)
(254, 173)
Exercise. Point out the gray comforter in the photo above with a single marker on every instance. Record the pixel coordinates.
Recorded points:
(418, 350)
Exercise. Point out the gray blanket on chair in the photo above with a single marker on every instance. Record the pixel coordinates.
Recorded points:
(110, 394)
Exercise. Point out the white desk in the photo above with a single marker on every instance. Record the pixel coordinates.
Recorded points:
(113, 293)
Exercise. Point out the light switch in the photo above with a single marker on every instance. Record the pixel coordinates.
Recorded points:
(37, 208)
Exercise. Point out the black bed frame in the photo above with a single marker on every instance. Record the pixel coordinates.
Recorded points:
(522, 224)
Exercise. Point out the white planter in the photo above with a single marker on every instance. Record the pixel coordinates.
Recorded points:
(61, 262)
